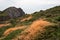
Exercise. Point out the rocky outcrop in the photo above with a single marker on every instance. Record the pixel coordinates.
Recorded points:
(14, 12)
(11, 12)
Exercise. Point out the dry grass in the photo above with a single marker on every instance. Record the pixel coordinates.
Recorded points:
(13, 29)
(1, 25)
(32, 31)
(28, 18)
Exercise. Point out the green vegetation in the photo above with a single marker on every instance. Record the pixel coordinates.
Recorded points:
(51, 33)
(25, 22)
(2, 29)
(12, 35)
(3, 14)
(13, 22)
(57, 18)
(51, 15)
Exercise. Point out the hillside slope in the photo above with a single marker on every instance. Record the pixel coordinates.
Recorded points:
(33, 30)
(42, 25)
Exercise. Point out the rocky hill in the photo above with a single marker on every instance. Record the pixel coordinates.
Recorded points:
(42, 25)
(11, 12)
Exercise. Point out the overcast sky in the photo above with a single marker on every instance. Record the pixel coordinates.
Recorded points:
(29, 6)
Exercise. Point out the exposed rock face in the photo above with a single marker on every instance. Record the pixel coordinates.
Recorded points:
(11, 12)
(15, 12)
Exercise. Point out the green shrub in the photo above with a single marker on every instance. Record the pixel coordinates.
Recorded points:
(51, 33)
(13, 22)
(27, 22)
(57, 18)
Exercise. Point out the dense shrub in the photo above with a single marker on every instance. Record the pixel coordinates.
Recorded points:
(51, 33)
(13, 22)
(58, 18)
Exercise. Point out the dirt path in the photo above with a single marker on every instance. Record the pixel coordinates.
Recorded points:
(12, 29)
(28, 18)
(33, 30)
(15, 28)
(1, 25)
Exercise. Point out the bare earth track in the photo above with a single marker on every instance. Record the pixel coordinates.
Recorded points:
(33, 30)
(1, 25)
(8, 31)
(28, 18)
